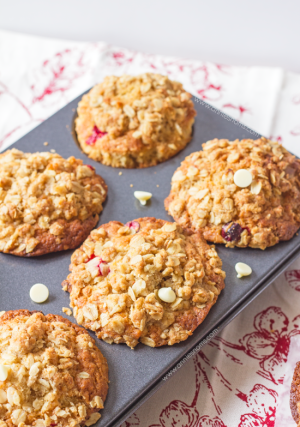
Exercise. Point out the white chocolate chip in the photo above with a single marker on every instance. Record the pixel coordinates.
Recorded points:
(39, 293)
(242, 178)
(142, 196)
(167, 295)
(242, 269)
(3, 372)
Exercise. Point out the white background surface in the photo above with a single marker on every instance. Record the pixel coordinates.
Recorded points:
(256, 32)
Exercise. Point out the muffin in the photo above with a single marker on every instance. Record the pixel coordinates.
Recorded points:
(147, 281)
(134, 121)
(295, 395)
(207, 193)
(47, 203)
(52, 373)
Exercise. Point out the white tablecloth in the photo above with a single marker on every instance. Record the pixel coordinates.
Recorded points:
(234, 380)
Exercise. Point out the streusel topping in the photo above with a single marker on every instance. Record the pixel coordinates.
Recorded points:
(146, 115)
(119, 270)
(37, 190)
(56, 374)
(205, 196)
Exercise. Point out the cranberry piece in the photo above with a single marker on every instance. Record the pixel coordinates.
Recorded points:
(97, 133)
(91, 257)
(231, 233)
(133, 225)
(91, 167)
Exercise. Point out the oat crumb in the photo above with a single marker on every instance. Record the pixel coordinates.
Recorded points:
(46, 143)
(157, 185)
(67, 310)
(65, 288)
(120, 173)
(52, 150)
(1, 313)
(131, 185)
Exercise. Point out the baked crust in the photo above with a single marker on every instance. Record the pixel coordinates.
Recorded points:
(73, 234)
(295, 394)
(118, 299)
(47, 203)
(134, 121)
(204, 196)
(57, 375)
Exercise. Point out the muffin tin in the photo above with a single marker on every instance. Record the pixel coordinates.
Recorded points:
(136, 374)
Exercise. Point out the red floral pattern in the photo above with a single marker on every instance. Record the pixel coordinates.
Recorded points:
(269, 342)
(295, 131)
(132, 421)
(241, 110)
(293, 279)
(262, 402)
(50, 86)
(180, 414)
(57, 74)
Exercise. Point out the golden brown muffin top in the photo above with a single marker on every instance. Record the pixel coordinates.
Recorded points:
(43, 192)
(118, 272)
(135, 121)
(204, 194)
(56, 374)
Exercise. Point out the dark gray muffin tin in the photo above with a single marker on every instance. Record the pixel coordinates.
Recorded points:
(136, 374)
